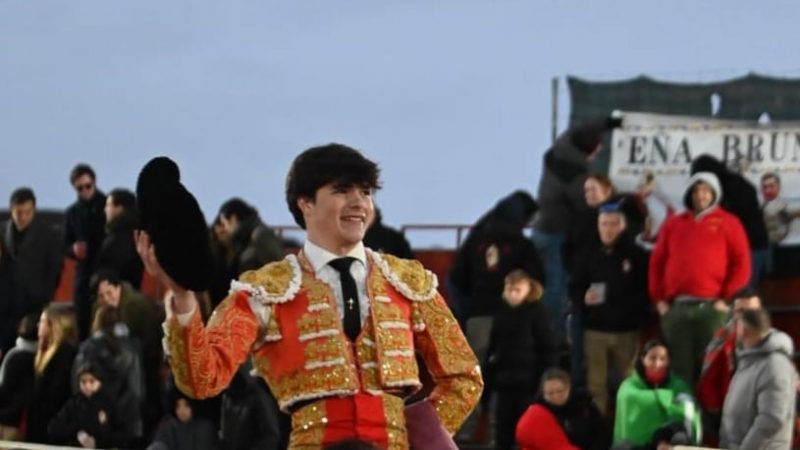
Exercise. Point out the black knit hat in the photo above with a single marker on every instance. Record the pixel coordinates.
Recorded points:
(171, 216)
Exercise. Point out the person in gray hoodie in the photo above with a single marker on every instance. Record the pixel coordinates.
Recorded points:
(759, 409)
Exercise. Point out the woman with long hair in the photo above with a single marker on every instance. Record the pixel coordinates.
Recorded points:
(52, 365)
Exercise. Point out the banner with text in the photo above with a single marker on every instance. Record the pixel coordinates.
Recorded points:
(653, 153)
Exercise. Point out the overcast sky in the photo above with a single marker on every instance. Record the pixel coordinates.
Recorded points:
(452, 98)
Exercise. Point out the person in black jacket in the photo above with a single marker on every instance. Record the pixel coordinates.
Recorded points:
(253, 243)
(118, 251)
(249, 416)
(91, 417)
(117, 356)
(609, 288)
(35, 250)
(382, 238)
(11, 303)
(495, 246)
(184, 431)
(84, 229)
(741, 200)
(16, 380)
(521, 347)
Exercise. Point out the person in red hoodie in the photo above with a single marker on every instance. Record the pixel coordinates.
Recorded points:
(701, 258)
(719, 365)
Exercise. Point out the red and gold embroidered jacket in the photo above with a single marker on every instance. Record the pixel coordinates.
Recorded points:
(289, 321)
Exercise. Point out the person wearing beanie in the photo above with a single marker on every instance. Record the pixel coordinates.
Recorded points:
(608, 289)
(701, 258)
(561, 202)
(333, 330)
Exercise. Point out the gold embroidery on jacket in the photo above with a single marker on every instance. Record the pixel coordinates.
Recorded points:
(275, 277)
(308, 426)
(451, 362)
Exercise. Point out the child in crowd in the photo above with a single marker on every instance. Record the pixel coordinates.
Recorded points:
(184, 431)
(521, 347)
(89, 418)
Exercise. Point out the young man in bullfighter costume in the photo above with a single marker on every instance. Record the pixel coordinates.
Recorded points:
(333, 330)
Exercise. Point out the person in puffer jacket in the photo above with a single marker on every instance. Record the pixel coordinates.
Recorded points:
(759, 409)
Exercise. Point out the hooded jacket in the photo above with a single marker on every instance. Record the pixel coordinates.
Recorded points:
(560, 194)
(704, 255)
(495, 246)
(741, 198)
(759, 409)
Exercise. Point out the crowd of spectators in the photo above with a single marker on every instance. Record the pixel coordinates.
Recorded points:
(91, 372)
(587, 338)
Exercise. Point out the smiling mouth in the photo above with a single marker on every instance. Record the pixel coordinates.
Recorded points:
(354, 218)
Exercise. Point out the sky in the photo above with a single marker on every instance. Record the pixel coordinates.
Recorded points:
(452, 98)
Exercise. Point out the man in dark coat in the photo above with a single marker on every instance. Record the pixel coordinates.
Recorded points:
(249, 414)
(11, 304)
(118, 251)
(609, 288)
(384, 239)
(35, 250)
(253, 243)
(84, 229)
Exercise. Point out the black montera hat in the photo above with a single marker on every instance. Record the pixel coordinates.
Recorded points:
(171, 216)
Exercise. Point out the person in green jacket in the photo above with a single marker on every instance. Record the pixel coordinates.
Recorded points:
(653, 396)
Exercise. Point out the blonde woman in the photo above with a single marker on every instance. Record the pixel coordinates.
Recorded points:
(52, 365)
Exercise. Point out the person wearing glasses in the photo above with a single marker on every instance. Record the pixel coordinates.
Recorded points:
(84, 229)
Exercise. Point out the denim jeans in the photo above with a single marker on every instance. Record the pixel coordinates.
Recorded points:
(549, 248)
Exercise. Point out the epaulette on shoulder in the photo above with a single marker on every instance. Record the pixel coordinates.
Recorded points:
(408, 276)
(276, 282)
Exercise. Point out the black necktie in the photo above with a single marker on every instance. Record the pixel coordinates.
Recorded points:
(352, 315)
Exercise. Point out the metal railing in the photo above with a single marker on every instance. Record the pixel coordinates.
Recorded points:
(458, 232)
